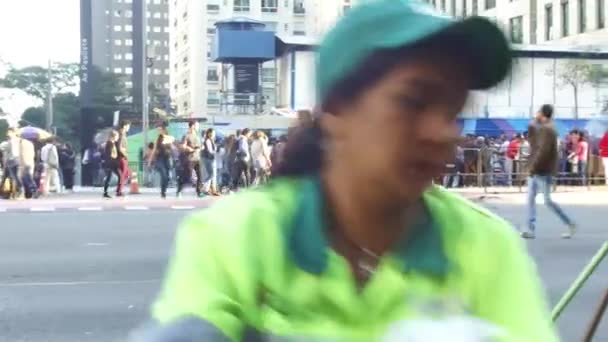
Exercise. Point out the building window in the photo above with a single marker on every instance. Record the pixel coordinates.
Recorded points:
(299, 29)
(117, 28)
(490, 4)
(129, 56)
(185, 104)
(128, 14)
(213, 97)
(548, 22)
(564, 18)
(241, 5)
(117, 42)
(157, 2)
(269, 6)
(157, 29)
(464, 8)
(185, 38)
(453, 8)
(118, 13)
(128, 85)
(157, 71)
(166, 71)
(117, 56)
(269, 75)
(582, 14)
(185, 83)
(212, 75)
(298, 7)
(286, 27)
(442, 5)
(129, 42)
(185, 61)
(600, 14)
(128, 71)
(118, 70)
(157, 15)
(474, 9)
(516, 30)
(211, 8)
(210, 30)
(128, 28)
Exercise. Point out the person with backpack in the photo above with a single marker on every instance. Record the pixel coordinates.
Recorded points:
(242, 166)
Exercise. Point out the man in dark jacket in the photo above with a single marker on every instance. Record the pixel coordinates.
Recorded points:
(542, 164)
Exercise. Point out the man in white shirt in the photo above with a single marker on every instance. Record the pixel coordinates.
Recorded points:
(50, 159)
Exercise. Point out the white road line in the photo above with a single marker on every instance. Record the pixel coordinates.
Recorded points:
(80, 283)
(42, 209)
(136, 207)
(90, 209)
(96, 244)
(182, 207)
(2, 210)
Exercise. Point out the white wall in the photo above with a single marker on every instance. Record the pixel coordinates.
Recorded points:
(530, 85)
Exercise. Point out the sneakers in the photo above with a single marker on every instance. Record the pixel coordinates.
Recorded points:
(567, 235)
(106, 195)
(528, 235)
(570, 233)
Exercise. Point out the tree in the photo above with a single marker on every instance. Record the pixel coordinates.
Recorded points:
(574, 74)
(34, 80)
(66, 117)
(34, 116)
(109, 92)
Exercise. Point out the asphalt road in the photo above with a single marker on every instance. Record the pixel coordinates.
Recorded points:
(90, 276)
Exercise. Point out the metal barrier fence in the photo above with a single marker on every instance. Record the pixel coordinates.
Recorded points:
(486, 168)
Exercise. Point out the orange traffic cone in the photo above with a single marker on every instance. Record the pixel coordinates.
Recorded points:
(134, 184)
(42, 186)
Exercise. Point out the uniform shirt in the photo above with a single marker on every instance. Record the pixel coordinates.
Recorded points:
(259, 265)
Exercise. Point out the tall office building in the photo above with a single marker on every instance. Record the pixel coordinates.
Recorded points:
(556, 22)
(111, 40)
(195, 78)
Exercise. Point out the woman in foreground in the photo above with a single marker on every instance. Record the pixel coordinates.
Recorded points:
(351, 242)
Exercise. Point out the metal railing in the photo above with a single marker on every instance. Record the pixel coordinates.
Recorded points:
(485, 168)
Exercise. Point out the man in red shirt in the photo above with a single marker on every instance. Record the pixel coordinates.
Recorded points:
(604, 155)
(510, 155)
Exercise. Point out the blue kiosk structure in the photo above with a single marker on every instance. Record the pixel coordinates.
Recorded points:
(242, 45)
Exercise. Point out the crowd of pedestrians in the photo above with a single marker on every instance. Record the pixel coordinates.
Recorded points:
(503, 160)
(34, 168)
(211, 165)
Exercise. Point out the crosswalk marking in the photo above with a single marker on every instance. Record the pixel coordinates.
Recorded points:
(42, 209)
(90, 209)
(136, 207)
(182, 207)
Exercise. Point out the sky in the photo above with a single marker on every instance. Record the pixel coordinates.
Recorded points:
(32, 31)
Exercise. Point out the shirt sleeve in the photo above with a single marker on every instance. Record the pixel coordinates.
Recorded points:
(204, 287)
(511, 295)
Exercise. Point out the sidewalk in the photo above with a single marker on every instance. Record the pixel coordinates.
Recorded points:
(597, 195)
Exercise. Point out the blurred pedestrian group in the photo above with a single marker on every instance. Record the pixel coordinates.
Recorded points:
(34, 165)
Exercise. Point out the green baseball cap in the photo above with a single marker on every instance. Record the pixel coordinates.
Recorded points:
(387, 24)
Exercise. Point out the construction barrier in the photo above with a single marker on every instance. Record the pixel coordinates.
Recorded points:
(134, 190)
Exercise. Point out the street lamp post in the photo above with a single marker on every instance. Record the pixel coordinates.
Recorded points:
(144, 78)
(49, 107)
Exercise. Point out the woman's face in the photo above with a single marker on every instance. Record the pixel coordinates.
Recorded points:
(400, 133)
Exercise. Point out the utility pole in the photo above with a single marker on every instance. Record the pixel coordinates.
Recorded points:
(49, 99)
(144, 77)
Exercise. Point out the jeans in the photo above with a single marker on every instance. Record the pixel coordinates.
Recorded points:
(210, 179)
(543, 184)
(163, 166)
(185, 175)
(582, 171)
(112, 169)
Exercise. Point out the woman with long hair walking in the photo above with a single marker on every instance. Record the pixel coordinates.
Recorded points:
(209, 163)
(161, 157)
(112, 164)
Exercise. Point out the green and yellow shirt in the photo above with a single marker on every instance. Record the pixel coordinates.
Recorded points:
(258, 267)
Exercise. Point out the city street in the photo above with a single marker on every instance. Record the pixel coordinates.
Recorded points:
(89, 275)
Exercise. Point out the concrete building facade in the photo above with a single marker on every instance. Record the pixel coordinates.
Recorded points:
(196, 81)
(112, 35)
